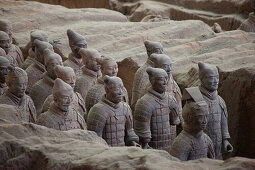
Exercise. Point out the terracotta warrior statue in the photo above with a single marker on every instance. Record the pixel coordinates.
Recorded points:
(76, 42)
(4, 64)
(163, 61)
(15, 51)
(192, 143)
(43, 88)
(155, 112)
(90, 71)
(36, 70)
(39, 35)
(16, 81)
(111, 118)
(141, 77)
(5, 44)
(67, 75)
(108, 67)
(217, 127)
(60, 115)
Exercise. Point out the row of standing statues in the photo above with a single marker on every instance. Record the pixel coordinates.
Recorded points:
(84, 92)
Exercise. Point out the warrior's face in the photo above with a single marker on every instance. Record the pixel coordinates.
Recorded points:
(64, 101)
(3, 73)
(50, 67)
(93, 64)
(200, 121)
(110, 68)
(210, 82)
(159, 83)
(114, 92)
(69, 78)
(18, 86)
(166, 65)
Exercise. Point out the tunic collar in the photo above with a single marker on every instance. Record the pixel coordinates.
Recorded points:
(158, 95)
(108, 102)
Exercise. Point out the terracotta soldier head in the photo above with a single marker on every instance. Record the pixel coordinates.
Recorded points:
(76, 42)
(253, 6)
(113, 88)
(5, 42)
(66, 74)
(195, 112)
(6, 26)
(153, 47)
(51, 60)
(40, 46)
(108, 66)
(162, 61)
(16, 81)
(90, 58)
(39, 35)
(62, 94)
(158, 79)
(4, 64)
(208, 76)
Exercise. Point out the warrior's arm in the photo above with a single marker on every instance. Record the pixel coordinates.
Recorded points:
(129, 131)
(211, 152)
(96, 120)
(142, 117)
(224, 120)
(174, 115)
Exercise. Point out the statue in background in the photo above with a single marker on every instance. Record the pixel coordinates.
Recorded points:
(43, 88)
(76, 42)
(90, 71)
(141, 77)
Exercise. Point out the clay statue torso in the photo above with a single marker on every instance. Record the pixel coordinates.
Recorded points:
(188, 147)
(152, 117)
(140, 81)
(40, 91)
(3, 88)
(56, 119)
(173, 89)
(78, 104)
(34, 73)
(24, 105)
(16, 53)
(85, 81)
(112, 122)
(74, 63)
(216, 128)
(96, 92)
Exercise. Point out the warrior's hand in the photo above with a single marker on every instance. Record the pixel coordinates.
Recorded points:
(146, 146)
(227, 146)
(133, 143)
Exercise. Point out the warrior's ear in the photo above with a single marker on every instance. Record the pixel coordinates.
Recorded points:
(107, 79)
